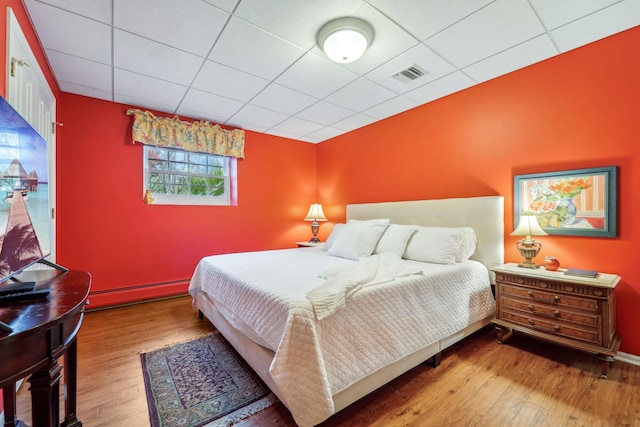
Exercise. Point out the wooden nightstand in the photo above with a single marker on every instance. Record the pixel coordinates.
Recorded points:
(309, 244)
(579, 312)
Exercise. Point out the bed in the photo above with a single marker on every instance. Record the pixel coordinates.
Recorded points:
(324, 327)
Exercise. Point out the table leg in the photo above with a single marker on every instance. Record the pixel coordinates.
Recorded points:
(10, 409)
(70, 385)
(45, 396)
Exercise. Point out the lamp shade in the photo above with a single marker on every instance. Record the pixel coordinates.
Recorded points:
(315, 213)
(344, 40)
(528, 226)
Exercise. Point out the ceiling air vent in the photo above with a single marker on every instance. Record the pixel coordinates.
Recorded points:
(409, 74)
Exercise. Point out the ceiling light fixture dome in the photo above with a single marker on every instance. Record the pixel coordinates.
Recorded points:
(344, 40)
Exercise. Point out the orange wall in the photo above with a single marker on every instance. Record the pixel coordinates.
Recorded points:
(105, 228)
(577, 110)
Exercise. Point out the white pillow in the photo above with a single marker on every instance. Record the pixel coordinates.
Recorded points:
(438, 245)
(358, 239)
(333, 236)
(395, 239)
(467, 244)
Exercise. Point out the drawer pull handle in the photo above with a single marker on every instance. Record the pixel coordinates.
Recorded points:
(553, 330)
(554, 315)
(555, 299)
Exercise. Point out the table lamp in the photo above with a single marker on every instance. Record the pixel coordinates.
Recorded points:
(315, 214)
(528, 226)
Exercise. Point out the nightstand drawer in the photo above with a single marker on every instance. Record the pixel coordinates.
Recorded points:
(551, 298)
(590, 335)
(543, 311)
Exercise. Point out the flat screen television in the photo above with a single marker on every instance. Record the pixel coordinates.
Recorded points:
(24, 194)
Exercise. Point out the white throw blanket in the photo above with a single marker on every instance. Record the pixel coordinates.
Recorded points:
(343, 282)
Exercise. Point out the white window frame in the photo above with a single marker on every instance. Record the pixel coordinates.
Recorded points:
(229, 167)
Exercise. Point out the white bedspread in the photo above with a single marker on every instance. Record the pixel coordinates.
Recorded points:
(380, 324)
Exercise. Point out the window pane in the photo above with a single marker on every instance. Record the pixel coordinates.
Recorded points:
(178, 177)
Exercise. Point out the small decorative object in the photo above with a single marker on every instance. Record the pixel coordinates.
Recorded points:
(528, 226)
(148, 198)
(315, 214)
(551, 263)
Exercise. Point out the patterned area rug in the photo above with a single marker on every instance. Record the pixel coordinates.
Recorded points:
(201, 383)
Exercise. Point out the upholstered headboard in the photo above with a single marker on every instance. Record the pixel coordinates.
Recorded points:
(484, 214)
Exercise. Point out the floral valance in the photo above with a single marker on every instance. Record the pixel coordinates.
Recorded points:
(200, 136)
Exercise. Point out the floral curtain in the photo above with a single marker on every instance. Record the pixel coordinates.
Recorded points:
(200, 136)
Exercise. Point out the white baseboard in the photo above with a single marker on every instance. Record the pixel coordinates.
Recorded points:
(628, 358)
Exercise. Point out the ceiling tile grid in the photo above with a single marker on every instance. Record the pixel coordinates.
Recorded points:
(256, 65)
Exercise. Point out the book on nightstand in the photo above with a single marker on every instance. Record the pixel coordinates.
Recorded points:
(580, 272)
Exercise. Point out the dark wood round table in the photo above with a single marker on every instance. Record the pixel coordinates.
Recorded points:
(43, 331)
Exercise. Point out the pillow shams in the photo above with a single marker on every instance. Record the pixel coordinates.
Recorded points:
(358, 238)
(333, 236)
(467, 244)
(395, 239)
(438, 245)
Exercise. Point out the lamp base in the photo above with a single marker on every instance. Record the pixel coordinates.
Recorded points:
(528, 264)
(528, 249)
(315, 227)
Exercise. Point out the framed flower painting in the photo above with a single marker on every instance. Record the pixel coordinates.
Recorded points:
(578, 202)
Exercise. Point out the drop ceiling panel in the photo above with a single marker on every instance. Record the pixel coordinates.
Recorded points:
(156, 91)
(325, 113)
(452, 83)
(538, 49)
(257, 117)
(282, 99)
(360, 95)
(73, 34)
(354, 122)
(99, 10)
(256, 64)
(226, 5)
(106, 95)
(315, 76)
(207, 106)
(252, 50)
(89, 74)
(190, 25)
(154, 59)
(621, 16)
(297, 126)
(497, 27)
(226, 81)
(391, 107)
(425, 18)
(556, 13)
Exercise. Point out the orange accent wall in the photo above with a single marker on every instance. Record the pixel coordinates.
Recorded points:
(574, 111)
(105, 228)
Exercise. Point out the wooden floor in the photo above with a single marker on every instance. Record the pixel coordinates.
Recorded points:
(479, 382)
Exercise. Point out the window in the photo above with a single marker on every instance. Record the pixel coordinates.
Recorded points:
(177, 177)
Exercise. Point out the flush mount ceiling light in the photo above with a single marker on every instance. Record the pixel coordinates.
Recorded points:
(344, 40)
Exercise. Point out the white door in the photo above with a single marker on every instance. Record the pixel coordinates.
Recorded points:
(29, 93)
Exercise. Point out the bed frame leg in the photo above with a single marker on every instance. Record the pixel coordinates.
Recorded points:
(200, 315)
(435, 359)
